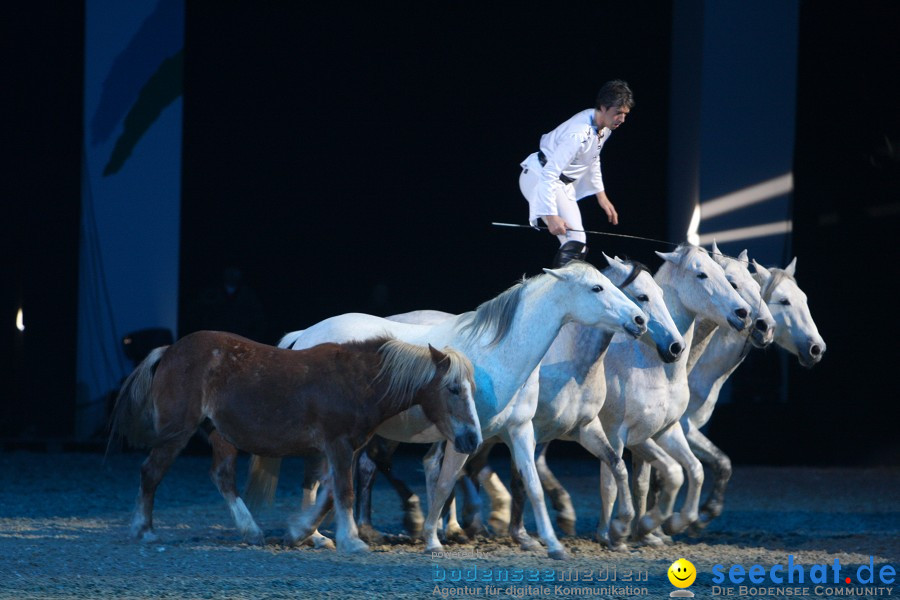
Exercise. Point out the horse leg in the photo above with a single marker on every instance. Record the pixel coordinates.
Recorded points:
(366, 470)
(477, 468)
(342, 457)
(305, 524)
(224, 457)
(672, 440)
(516, 515)
(523, 445)
(673, 477)
(593, 438)
(440, 487)
(642, 475)
(412, 509)
(472, 522)
(152, 471)
(313, 468)
(453, 532)
(609, 488)
(559, 497)
(501, 500)
(710, 454)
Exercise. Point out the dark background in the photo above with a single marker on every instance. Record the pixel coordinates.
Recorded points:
(352, 159)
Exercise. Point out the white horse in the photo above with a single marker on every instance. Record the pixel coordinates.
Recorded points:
(794, 330)
(572, 388)
(646, 397)
(505, 338)
(715, 353)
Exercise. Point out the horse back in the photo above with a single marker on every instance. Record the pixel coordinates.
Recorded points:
(263, 399)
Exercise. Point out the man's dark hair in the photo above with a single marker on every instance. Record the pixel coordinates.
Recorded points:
(615, 93)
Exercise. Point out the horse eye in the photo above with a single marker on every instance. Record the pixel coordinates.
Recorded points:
(785, 302)
(733, 284)
(597, 289)
(702, 276)
(453, 390)
(644, 298)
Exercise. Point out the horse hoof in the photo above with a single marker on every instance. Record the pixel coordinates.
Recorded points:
(371, 535)
(498, 522)
(650, 539)
(674, 524)
(476, 528)
(433, 548)
(566, 524)
(558, 554)
(323, 543)
(618, 531)
(526, 542)
(353, 546)
(456, 535)
(146, 536)
(255, 539)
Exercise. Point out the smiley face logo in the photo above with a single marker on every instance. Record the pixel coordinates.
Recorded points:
(682, 573)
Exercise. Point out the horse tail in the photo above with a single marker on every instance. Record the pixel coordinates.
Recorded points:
(134, 413)
(289, 339)
(261, 481)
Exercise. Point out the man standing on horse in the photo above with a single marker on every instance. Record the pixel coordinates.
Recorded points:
(567, 168)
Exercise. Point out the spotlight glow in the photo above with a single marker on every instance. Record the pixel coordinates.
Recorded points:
(746, 233)
(748, 196)
(20, 321)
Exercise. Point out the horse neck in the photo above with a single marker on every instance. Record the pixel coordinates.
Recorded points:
(582, 346)
(725, 350)
(384, 408)
(537, 321)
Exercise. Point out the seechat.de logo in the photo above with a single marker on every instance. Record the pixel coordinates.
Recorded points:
(682, 574)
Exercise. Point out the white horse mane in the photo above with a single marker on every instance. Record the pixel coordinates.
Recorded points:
(410, 367)
(497, 313)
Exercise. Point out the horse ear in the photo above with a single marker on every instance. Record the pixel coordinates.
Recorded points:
(614, 262)
(436, 355)
(791, 268)
(669, 256)
(743, 257)
(555, 273)
(715, 248)
(761, 269)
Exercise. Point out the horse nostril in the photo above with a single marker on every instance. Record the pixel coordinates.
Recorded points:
(815, 350)
(466, 442)
(675, 349)
(741, 313)
(639, 320)
(762, 325)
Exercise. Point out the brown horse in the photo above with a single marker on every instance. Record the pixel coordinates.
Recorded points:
(327, 400)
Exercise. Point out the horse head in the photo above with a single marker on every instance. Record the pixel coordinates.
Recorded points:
(737, 272)
(702, 287)
(592, 299)
(795, 331)
(637, 283)
(448, 399)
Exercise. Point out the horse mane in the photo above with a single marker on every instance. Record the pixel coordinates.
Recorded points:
(687, 250)
(636, 268)
(778, 275)
(495, 314)
(408, 368)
